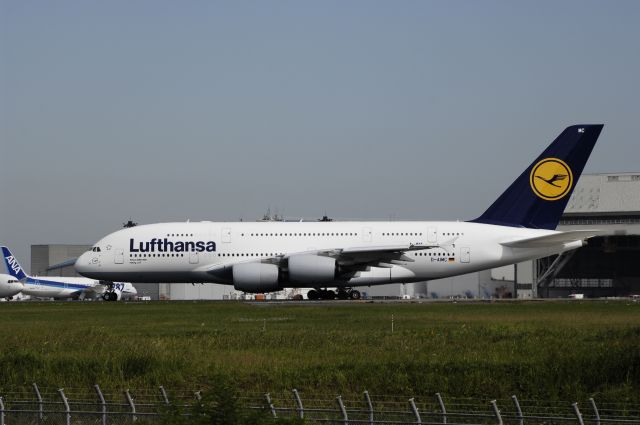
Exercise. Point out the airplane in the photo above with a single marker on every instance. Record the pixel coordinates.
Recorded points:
(259, 257)
(65, 287)
(9, 286)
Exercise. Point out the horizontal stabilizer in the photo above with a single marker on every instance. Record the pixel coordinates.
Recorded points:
(552, 239)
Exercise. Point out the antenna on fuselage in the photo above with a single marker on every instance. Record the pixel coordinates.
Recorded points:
(129, 223)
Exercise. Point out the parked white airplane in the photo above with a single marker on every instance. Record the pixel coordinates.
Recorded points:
(9, 286)
(269, 256)
(65, 287)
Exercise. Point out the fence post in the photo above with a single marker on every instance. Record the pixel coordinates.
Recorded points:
(345, 418)
(198, 395)
(132, 405)
(1, 411)
(370, 406)
(164, 395)
(578, 414)
(415, 411)
(39, 397)
(299, 403)
(67, 409)
(518, 409)
(496, 411)
(103, 403)
(595, 411)
(442, 408)
(267, 396)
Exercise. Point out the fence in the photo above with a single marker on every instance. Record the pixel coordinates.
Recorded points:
(78, 406)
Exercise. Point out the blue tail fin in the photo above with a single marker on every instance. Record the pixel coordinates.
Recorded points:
(12, 265)
(539, 196)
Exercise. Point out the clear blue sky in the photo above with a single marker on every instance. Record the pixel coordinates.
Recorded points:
(199, 110)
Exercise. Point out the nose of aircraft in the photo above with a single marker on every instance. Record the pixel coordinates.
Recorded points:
(86, 263)
(16, 286)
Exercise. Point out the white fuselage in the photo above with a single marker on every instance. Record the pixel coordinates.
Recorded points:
(71, 287)
(57, 287)
(187, 252)
(9, 286)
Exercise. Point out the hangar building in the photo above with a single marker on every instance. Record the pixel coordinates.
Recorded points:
(609, 264)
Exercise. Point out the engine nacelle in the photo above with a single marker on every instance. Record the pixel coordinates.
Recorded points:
(312, 269)
(255, 277)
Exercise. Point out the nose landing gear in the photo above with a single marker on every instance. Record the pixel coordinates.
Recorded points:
(110, 296)
(109, 292)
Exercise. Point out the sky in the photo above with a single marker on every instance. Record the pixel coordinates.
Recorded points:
(406, 110)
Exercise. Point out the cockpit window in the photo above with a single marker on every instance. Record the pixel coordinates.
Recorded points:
(95, 249)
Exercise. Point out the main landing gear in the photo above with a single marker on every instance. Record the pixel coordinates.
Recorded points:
(341, 294)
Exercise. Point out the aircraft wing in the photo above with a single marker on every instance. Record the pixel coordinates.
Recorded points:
(384, 248)
(380, 255)
(552, 239)
(354, 258)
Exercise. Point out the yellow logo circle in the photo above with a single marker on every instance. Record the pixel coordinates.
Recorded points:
(551, 179)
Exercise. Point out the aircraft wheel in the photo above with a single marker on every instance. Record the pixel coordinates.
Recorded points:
(355, 295)
(113, 297)
(328, 295)
(313, 294)
(343, 295)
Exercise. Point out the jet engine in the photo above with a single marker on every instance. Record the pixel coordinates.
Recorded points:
(312, 269)
(255, 277)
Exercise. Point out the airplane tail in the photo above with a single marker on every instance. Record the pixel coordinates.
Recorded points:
(539, 196)
(12, 265)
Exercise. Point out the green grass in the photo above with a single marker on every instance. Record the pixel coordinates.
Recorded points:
(537, 350)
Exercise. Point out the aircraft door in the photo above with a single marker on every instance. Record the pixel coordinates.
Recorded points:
(119, 257)
(465, 255)
(193, 257)
(226, 235)
(366, 234)
(432, 235)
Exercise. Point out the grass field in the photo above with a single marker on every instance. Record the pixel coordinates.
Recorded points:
(549, 350)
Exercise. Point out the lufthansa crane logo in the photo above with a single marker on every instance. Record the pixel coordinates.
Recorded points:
(551, 179)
